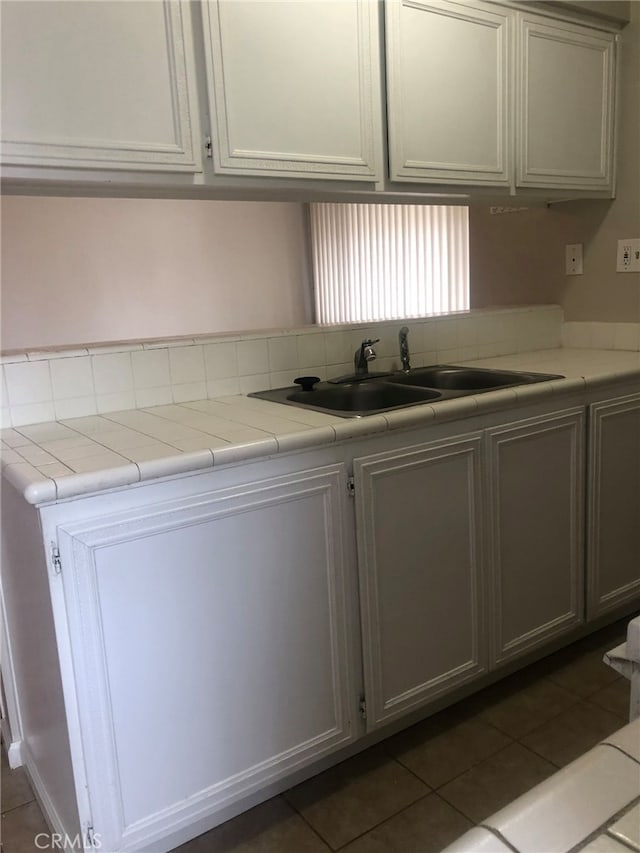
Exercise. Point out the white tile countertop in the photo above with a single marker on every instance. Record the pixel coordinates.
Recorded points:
(63, 459)
(592, 805)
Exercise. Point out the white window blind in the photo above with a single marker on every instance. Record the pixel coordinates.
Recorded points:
(389, 261)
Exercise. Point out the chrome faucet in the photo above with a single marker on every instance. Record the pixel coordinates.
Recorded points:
(363, 355)
(404, 348)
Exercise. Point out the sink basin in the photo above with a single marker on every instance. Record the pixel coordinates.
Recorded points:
(453, 378)
(358, 398)
(399, 390)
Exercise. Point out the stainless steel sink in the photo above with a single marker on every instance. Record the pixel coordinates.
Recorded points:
(399, 390)
(366, 397)
(454, 378)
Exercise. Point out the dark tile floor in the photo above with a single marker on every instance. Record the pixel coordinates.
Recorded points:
(421, 789)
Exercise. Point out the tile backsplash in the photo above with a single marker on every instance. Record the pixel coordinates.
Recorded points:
(55, 384)
(588, 335)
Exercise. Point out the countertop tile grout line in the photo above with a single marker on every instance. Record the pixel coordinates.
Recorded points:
(604, 830)
(499, 836)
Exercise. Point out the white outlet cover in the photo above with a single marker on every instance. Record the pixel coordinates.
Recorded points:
(573, 258)
(628, 257)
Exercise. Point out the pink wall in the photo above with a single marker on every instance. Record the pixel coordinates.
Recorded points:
(93, 270)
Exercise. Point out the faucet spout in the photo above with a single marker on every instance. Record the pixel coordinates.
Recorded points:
(363, 355)
(404, 348)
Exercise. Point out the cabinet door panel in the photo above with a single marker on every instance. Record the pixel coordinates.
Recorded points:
(565, 105)
(95, 84)
(448, 92)
(210, 641)
(613, 566)
(419, 551)
(294, 87)
(536, 503)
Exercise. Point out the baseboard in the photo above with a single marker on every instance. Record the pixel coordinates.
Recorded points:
(12, 747)
(42, 795)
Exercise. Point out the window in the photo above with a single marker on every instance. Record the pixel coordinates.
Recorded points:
(389, 261)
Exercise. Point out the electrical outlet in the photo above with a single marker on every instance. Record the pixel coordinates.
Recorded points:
(573, 259)
(628, 259)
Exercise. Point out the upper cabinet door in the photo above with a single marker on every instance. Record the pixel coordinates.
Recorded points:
(295, 87)
(448, 70)
(97, 85)
(566, 105)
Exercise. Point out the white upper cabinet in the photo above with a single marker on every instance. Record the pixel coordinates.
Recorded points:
(448, 92)
(478, 94)
(482, 94)
(95, 85)
(294, 88)
(565, 105)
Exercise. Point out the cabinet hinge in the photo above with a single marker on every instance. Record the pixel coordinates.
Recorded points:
(362, 707)
(92, 838)
(351, 487)
(208, 146)
(55, 559)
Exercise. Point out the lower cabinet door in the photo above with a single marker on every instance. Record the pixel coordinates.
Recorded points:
(613, 556)
(536, 505)
(420, 570)
(210, 643)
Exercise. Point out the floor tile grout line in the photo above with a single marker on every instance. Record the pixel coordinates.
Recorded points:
(578, 700)
(608, 710)
(6, 812)
(429, 791)
(386, 820)
(306, 822)
(455, 808)
(399, 761)
(535, 728)
(475, 822)
(544, 757)
(436, 788)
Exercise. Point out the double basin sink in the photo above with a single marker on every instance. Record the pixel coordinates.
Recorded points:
(360, 395)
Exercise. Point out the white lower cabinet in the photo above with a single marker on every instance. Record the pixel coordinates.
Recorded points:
(421, 585)
(470, 555)
(613, 565)
(536, 505)
(208, 631)
(210, 645)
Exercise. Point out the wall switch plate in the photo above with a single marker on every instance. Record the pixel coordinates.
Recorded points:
(573, 259)
(628, 258)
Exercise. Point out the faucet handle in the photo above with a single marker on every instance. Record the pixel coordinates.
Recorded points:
(368, 342)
